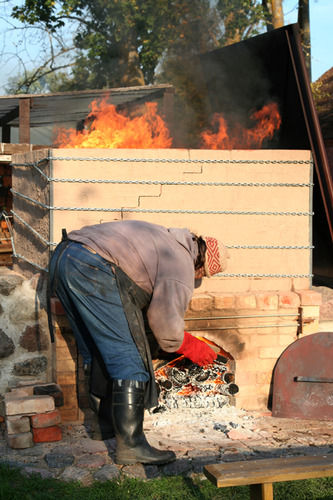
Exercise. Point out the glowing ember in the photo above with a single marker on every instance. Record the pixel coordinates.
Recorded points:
(110, 129)
(180, 378)
(268, 121)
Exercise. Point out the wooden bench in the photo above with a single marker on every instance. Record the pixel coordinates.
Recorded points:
(261, 474)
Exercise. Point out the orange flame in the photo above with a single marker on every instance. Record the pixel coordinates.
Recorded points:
(110, 129)
(268, 121)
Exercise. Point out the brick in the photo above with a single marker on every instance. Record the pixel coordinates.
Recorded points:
(270, 352)
(17, 424)
(66, 365)
(46, 434)
(56, 307)
(262, 340)
(29, 405)
(289, 300)
(224, 301)
(70, 415)
(52, 390)
(309, 298)
(20, 441)
(252, 402)
(66, 378)
(268, 301)
(286, 340)
(246, 301)
(47, 419)
(66, 352)
(201, 303)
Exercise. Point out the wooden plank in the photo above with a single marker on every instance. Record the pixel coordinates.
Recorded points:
(261, 491)
(24, 120)
(269, 471)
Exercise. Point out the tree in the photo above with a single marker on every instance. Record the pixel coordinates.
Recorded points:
(122, 42)
(304, 25)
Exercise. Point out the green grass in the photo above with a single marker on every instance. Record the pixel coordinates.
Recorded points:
(15, 486)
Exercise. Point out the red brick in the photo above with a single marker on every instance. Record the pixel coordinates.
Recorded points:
(56, 307)
(224, 301)
(267, 301)
(48, 419)
(289, 300)
(47, 434)
(310, 298)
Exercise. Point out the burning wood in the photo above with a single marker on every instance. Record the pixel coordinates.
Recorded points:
(185, 384)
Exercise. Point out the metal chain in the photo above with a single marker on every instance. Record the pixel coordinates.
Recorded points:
(163, 211)
(247, 247)
(164, 160)
(272, 247)
(235, 275)
(172, 183)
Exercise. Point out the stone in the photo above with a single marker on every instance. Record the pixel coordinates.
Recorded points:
(37, 471)
(34, 339)
(17, 424)
(47, 434)
(91, 461)
(59, 460)
(74, 474)
(106, 473)
(28, 405)
(92, 446)
(19, 441)
(47, 419)
(7, 346)
(9, 282)
(32, 366)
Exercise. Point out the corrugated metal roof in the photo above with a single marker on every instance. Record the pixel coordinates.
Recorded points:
(68, 107)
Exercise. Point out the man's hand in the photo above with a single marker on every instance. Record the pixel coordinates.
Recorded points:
(196, 350)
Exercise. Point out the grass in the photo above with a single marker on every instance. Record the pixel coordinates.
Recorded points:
(15, 486)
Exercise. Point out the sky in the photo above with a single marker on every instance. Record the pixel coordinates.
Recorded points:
(321, 22)
(321, 26)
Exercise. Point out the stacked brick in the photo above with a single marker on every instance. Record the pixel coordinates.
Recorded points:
(68, 367)
(31, 418)
(254, 328)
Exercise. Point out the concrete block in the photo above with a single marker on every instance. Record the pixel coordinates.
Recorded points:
(47, 419)
(17, 424)
(46, 434)
(29, 405)
(20, 441)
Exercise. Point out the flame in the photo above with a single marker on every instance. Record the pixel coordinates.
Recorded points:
(107, 128)
(267, 119)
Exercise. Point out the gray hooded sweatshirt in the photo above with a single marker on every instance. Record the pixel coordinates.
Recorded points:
(157, 259)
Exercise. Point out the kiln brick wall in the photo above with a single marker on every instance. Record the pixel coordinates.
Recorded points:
(255, 350)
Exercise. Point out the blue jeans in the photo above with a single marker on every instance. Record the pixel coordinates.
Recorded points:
(86, 286)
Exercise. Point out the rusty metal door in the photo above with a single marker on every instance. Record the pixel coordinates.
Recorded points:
(303, 379)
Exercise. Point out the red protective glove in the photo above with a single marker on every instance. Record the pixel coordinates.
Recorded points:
(196, 350)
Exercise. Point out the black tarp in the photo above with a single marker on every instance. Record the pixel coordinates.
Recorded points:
(241, 78)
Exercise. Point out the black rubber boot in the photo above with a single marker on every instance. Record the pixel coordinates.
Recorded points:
(127, 419)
